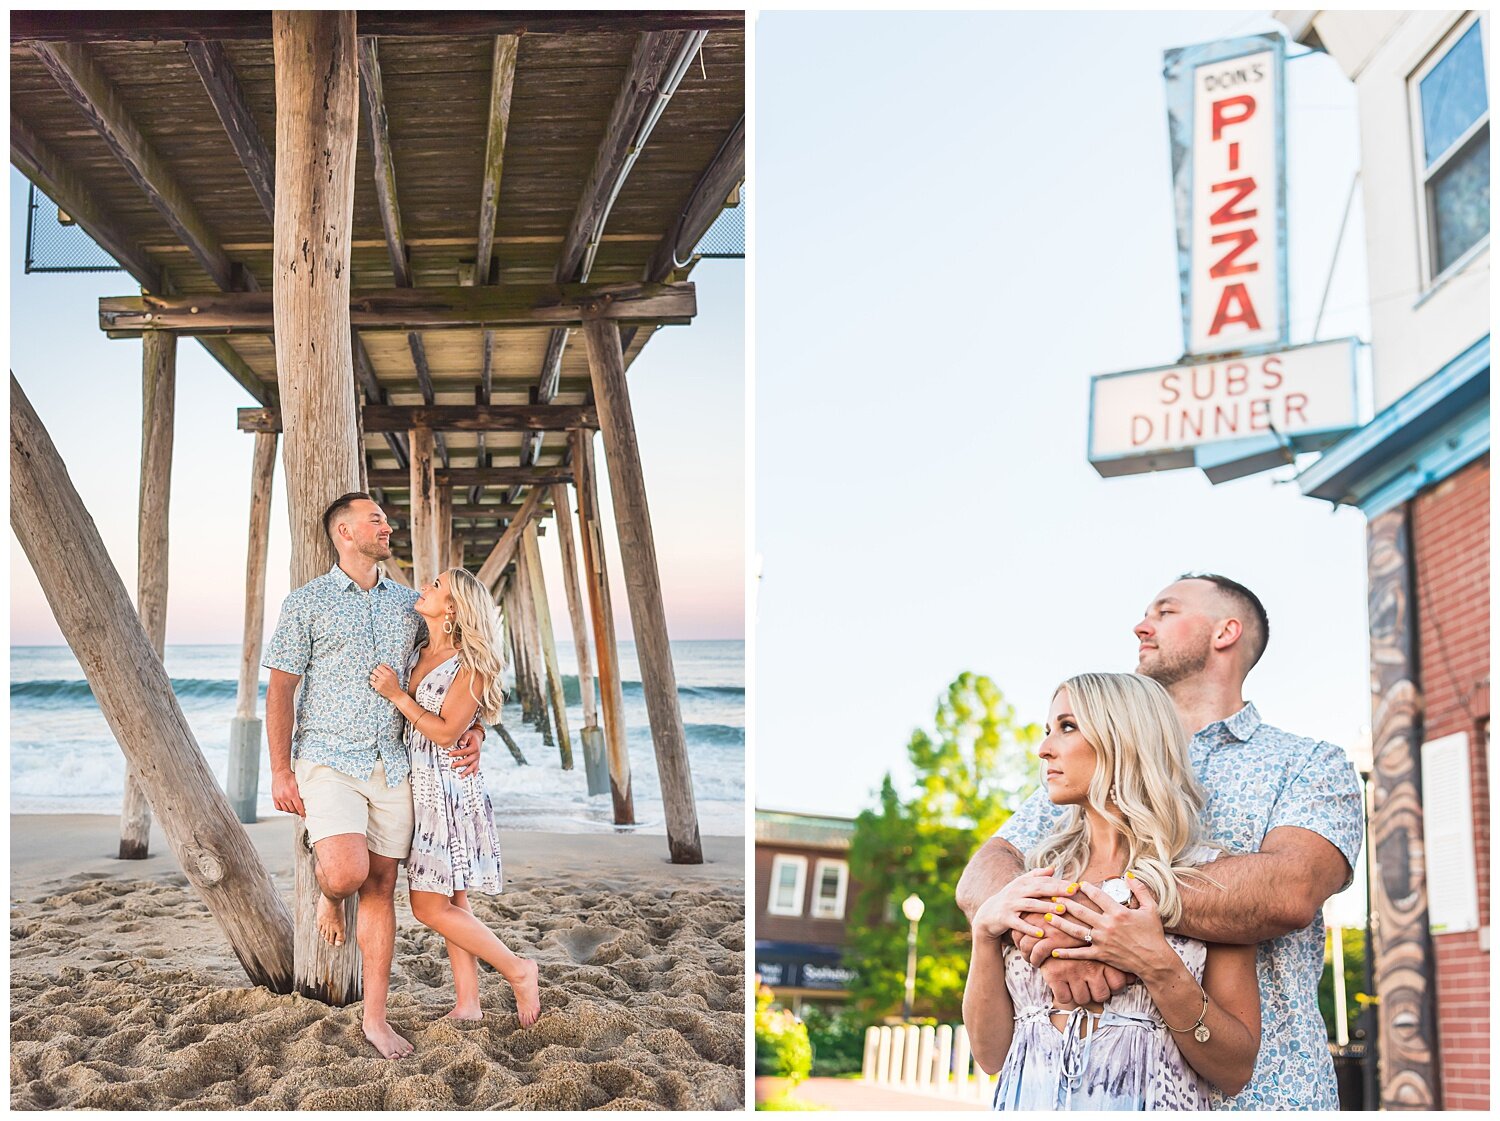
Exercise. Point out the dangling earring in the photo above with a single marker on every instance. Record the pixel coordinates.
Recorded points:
(448, 625)
(1113, 793)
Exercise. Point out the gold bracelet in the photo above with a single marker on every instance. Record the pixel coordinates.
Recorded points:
(1200, 1029)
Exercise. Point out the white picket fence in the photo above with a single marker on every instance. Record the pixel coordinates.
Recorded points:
(925, 1060)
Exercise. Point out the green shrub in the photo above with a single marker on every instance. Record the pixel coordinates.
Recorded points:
(782, 1049)
(838, 1041)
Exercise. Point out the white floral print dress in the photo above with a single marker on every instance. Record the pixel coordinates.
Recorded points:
(455, 846)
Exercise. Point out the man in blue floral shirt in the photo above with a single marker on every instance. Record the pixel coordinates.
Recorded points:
(345, 770)
(1287, 809)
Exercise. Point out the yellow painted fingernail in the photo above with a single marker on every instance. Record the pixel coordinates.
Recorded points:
(1060, 908)
(1130, 875)
(1040, 933)
(1049, 918)
(1072, 888)
(1056, 954)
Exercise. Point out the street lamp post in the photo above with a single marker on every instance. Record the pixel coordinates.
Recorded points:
(912, 908)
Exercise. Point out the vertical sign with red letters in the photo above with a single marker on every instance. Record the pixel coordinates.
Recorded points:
(1225, 111)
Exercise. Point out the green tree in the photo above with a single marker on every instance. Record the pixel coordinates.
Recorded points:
(970, 774)
(1354, 980)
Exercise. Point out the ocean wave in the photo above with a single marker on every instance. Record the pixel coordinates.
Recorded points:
(635, 689)
(56, 693)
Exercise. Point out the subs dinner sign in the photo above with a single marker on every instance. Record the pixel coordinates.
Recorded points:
(1300, 398)
(1225, 118)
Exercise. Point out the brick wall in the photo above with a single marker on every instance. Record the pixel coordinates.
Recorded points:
(804, 927)
(1450, 535)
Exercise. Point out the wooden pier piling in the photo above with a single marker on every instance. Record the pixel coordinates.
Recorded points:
(158, 408)
(424, 507)
(549, 645)
(648, 616)
(601, 611)
(243, 784)
(317, 112)
(594, 767)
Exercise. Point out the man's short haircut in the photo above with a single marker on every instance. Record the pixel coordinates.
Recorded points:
(1247, 601)
(340, 507)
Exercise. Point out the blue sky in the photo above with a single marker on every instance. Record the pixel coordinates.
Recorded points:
(687, 393)
(960, 219)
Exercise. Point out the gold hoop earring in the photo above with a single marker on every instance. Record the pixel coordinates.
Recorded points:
(448, 625)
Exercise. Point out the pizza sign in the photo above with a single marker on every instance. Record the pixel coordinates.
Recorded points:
(1225, 108)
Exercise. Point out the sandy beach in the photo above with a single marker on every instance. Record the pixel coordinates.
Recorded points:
(125, 996)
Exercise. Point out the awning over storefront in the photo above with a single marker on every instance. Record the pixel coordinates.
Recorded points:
(1419, 440)
(800, 965)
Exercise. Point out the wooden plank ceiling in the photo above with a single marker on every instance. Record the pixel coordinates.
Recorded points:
(127, 124)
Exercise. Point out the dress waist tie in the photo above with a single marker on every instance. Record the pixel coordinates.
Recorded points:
(1074, 1059)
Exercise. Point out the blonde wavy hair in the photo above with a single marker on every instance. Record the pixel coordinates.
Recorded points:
(476, 634)
(1143, 785)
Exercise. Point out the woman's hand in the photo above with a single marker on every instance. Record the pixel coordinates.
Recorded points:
(1132, 940)
(384, 681)
(1029, 893)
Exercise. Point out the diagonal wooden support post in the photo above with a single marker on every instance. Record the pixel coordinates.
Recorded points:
(95, 615)
(648, 615)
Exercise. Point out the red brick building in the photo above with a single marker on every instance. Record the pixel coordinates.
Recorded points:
(802, 890)
(1419, 470)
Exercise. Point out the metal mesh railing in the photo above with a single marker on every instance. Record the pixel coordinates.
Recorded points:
(55, 245)
(726, 237)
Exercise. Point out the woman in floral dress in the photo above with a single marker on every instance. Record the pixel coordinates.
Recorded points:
(1189, 1024)
(455, 849)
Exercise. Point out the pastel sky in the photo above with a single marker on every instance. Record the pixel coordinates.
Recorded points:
(961, 218)
(687, 393)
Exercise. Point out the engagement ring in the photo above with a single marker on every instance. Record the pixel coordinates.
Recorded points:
(1088, 936)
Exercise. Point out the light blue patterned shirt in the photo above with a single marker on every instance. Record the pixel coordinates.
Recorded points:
(1258, 778)
(332, 633)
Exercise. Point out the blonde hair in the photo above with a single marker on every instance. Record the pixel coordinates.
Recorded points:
(1143, 785)
(476, 634)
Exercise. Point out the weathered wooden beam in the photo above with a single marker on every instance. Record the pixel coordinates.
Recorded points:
(449, 418)
(44, 168)
(372, 98)
(724, 172)
(96, 97)
(648, 74)
(601, 612)
(627, 485)
(96, 618)
(317, 121)
(501, 85)
(243, 785)
(505, 549)
(364, 373)
(220, 348)
(158, 406)
(398, 514)
(406, 309)
(476, 476)
(211, 61)
(131, 26)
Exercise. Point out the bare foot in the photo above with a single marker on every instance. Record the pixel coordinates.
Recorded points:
(528, 999)
(330, 920)
(465, 1012)
(385, 1040)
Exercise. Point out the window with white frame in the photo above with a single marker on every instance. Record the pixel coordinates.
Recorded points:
(830, 887)
(1451, 116)
(788, 878)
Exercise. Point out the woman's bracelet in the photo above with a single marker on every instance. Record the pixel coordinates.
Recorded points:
(1200, 1029)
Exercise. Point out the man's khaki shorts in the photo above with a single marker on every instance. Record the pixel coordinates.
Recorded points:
(339, 803)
